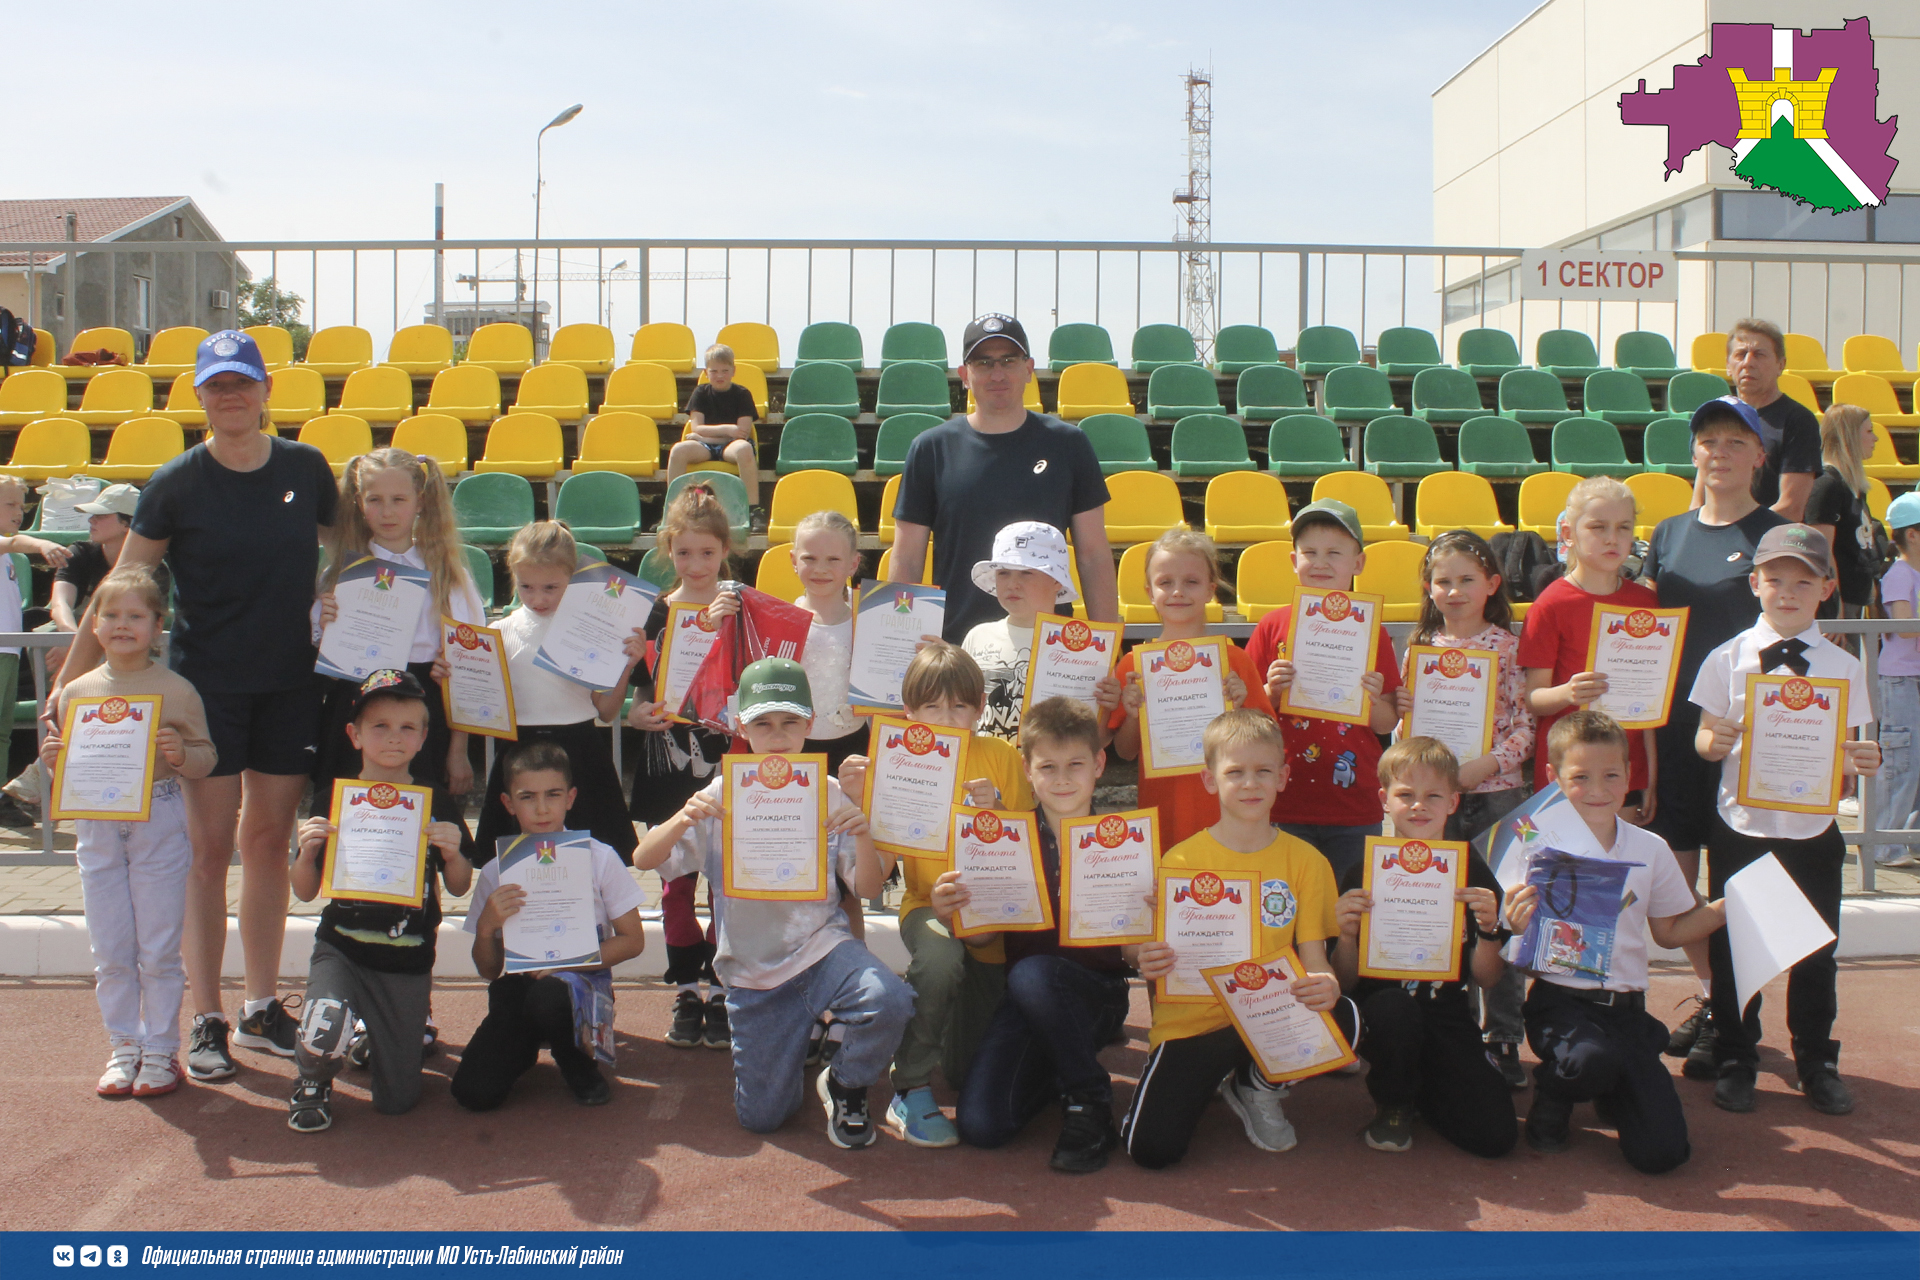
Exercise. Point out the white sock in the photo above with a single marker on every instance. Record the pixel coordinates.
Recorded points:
(837, 1032)
(252, 1007)
(1706, 989)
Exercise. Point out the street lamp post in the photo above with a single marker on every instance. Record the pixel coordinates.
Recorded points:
(538, 182)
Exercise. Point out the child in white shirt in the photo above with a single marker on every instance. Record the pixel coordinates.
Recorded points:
(1028, 575)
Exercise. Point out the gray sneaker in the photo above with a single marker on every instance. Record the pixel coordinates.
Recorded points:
(207, 1056)
(1259, 1110)
(1390, 1130)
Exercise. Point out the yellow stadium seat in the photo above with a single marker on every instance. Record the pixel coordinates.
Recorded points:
(503, 347)
(664, 342)
(1872, 353)
(1087, 389)
(1264, 579)
(469, 392)
(339, 350)
(1798, 388)
(1875, 394)
(1136, 601)
(1709, 354)
(1141, 505)
(1542, 498)
(439, 436)
(525, 444)
(50, 447)
(557, 390)
(1393, 570)
(380, 394)
(642, 388)
(1369, 496)
(27, 395)
(341, 436)
(1659, 495)
(1247, 506)
(275, 343)
(171, 352)
(42, 349)
(628, 443)
(1879, 497)
(888, 497)
(804, 492)
(1806, 357)
(754, 380)
(1885, 463)
(1030, 399)
(776, 575)
(298, 395)
(115, 396)
(421, 349)
(118, 341)
(138, 448)
(183, 403)
(753, 344)
(1457, 500)
(586, 347)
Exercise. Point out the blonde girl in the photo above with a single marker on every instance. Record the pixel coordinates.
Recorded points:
(1837, 507)
(826, 556)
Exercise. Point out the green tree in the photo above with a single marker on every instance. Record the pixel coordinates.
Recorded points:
(265, 302)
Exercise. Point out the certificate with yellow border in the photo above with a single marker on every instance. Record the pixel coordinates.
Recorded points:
(1454, 695)
(685, 642)
(997, 855)
(1332, 637)
(1638, 651)
(378, 849)
(1070, 657)
(774, 836)
(1183, 686)
(1109, 867)
(107, 755)
(478, 690)
(1412, 932)
(1791, 753)
(1208, 919)
(1288, 1040)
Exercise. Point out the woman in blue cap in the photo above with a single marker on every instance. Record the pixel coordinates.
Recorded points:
(237, 519)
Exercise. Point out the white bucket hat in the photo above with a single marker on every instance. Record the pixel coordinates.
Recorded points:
(1029, 544)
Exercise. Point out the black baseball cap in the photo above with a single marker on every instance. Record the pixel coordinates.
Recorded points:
(993, 326)
(388, 684)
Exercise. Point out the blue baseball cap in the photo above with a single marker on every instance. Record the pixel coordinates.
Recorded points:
(1904, 511)
(1728, 409)
(228, 351)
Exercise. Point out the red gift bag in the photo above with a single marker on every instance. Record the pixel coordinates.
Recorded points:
(765, 627)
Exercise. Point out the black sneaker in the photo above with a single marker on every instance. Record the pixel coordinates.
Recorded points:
(848, 1124)
(1826, 1092)
(1689, 1030)
(269, 1030)
(1507, 1058)
(757, 519)
(311, 1108)
(1086, 1135)
(13, 815)
(689, 1016)
(1549, 1123)
(207, 1056)
(1734, 1090)
(589, 1088)
(718, 1034)
(1702, 1059)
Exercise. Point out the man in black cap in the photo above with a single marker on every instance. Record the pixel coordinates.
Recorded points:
(976, 473)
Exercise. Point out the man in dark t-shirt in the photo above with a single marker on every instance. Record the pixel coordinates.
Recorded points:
(976, 473)
(720, 418)
(1756, 356)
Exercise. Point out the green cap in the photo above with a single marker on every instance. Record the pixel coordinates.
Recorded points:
(774, 684)
(1328, 511)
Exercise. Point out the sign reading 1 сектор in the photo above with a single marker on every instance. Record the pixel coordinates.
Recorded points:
(1598, 275)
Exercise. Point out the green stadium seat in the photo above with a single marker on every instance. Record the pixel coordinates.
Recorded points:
(824, 386)
(1176, 390)
(817, 442)
(1566, 353)
(1322, 348)
(1667, 446)
(1533, 395)
(1240, 347)
(1119, 440)
(657, 567)
(1401, 448)
(491, 508)
(1404, 352)
(1356, 393)
(601, 507)
(1498, 448)
(1306, 444)
(830, 342)
(913, 342)
(480, 569)
(1487, 353)
(914, 388)
(728, 490)
(1209, 444)
(1072, 344)
(1159, 344)
(896, 436)
(1590, 447)
(1649, 355)
(1268, 391)
(1688, 391)
(1618, 396)
(1446, 395)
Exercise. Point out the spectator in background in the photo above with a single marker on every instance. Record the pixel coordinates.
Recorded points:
(1838, 509)
(1756, 356)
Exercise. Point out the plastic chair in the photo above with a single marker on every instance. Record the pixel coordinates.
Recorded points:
(1446, 395)
(1401, 448)
(1264, 579)
(1356, 393)
(1322, 348)
(664, 343)
(1619, 397)
(1497, 447)
(823, 386)
(1029, 398)
(728, 490)
(1879, 498)
(1885, 463)
(172, 352)
(913, 388)
(1072, 344)
(342, 437)
(1688, 391)
(275, 343)
(621, 442)
(1542, 499)
(1161, 344)
(1566, 353)
(1590, 447)
(1240, 347)
(802, 493)
(1119, 440)
(138, 448)
(1806, 357)
(657, 567)
(896, 436)
(1659, 496)
(1141, 505)
(27, 395)
(829, 342)
(480, 569)
(1454, 500)
(469, 392)
(1486, 353)
(297, 397)
(586, 347)
(1305, 444)
(490, 509)
(503, 347)
(1177, 390)
(42, 350)
(753, 344)
(1269, 391)
(642, 388)
(339, 350)
(1709, 353)
(817, 442)
(1533, 395)
(1869, 391)
(913, 342)
(420, 350)
(1872, 353)
(524, 444)
(102, 338)
(889, 495)
(1795, 387)
(1136, 600)
(602, 508)
(753, 378)
(1369, 496)
(1247, 506)
(1208, 444)
(183, 405)
(1392, 571)
(557, 390)
(1406, 352)
(1088, 389)
(1646, 355)
(1667, 447)
(379, 394)
(439, 436)
(776, 575)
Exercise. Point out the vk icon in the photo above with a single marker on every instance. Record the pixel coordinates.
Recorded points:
(63, 1255)
(89, 1255)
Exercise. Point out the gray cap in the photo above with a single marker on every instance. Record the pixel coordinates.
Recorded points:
(1328, 511)
(1800, 542)
(114, 500)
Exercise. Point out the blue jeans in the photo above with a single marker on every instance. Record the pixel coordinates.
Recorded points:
(1044, 1042)
(770, 1032)
(1344, 847)
(1899, 760)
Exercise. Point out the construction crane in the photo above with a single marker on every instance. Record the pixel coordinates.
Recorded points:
(1194, 216)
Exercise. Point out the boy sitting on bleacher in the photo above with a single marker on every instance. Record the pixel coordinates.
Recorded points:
(720, 417)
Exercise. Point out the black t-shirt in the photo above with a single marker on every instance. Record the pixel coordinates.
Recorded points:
(966, 486)
(1793, 447)
(1479, 876)
(88, 566)
(244, 550)
(395, 939)
(1703, 568)
(722, 408)
(1832, 502)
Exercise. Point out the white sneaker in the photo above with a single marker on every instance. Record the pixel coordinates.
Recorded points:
(25, 789)
(117, 1080)
(1259, 1110)
(1850, 807)
(1905, 859)
(157, 1076)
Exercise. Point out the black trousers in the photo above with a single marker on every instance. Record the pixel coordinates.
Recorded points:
(1428, 1054)
(1812, 996)
(1609, 1056)
(523, 1013)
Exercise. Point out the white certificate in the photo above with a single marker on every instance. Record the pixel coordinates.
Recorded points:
(913, 780)
(1770, 925)
(106, 763)
(1286, 1038)
(1108, 868)
(558, 923)
(774, 838)
(1638, 651)
(1331, 640)
(378, 849)
(585, 641)
(1453, 697)
(1790, 756)
(888, 623)
(999, 863)
(1183, 684)
(379, 606)
(478, 691)
(1412, 933)
(685, 642)
(1069, 658)
(1208, 919)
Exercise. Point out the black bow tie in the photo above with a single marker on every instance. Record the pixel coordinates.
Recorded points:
(1790, 653)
